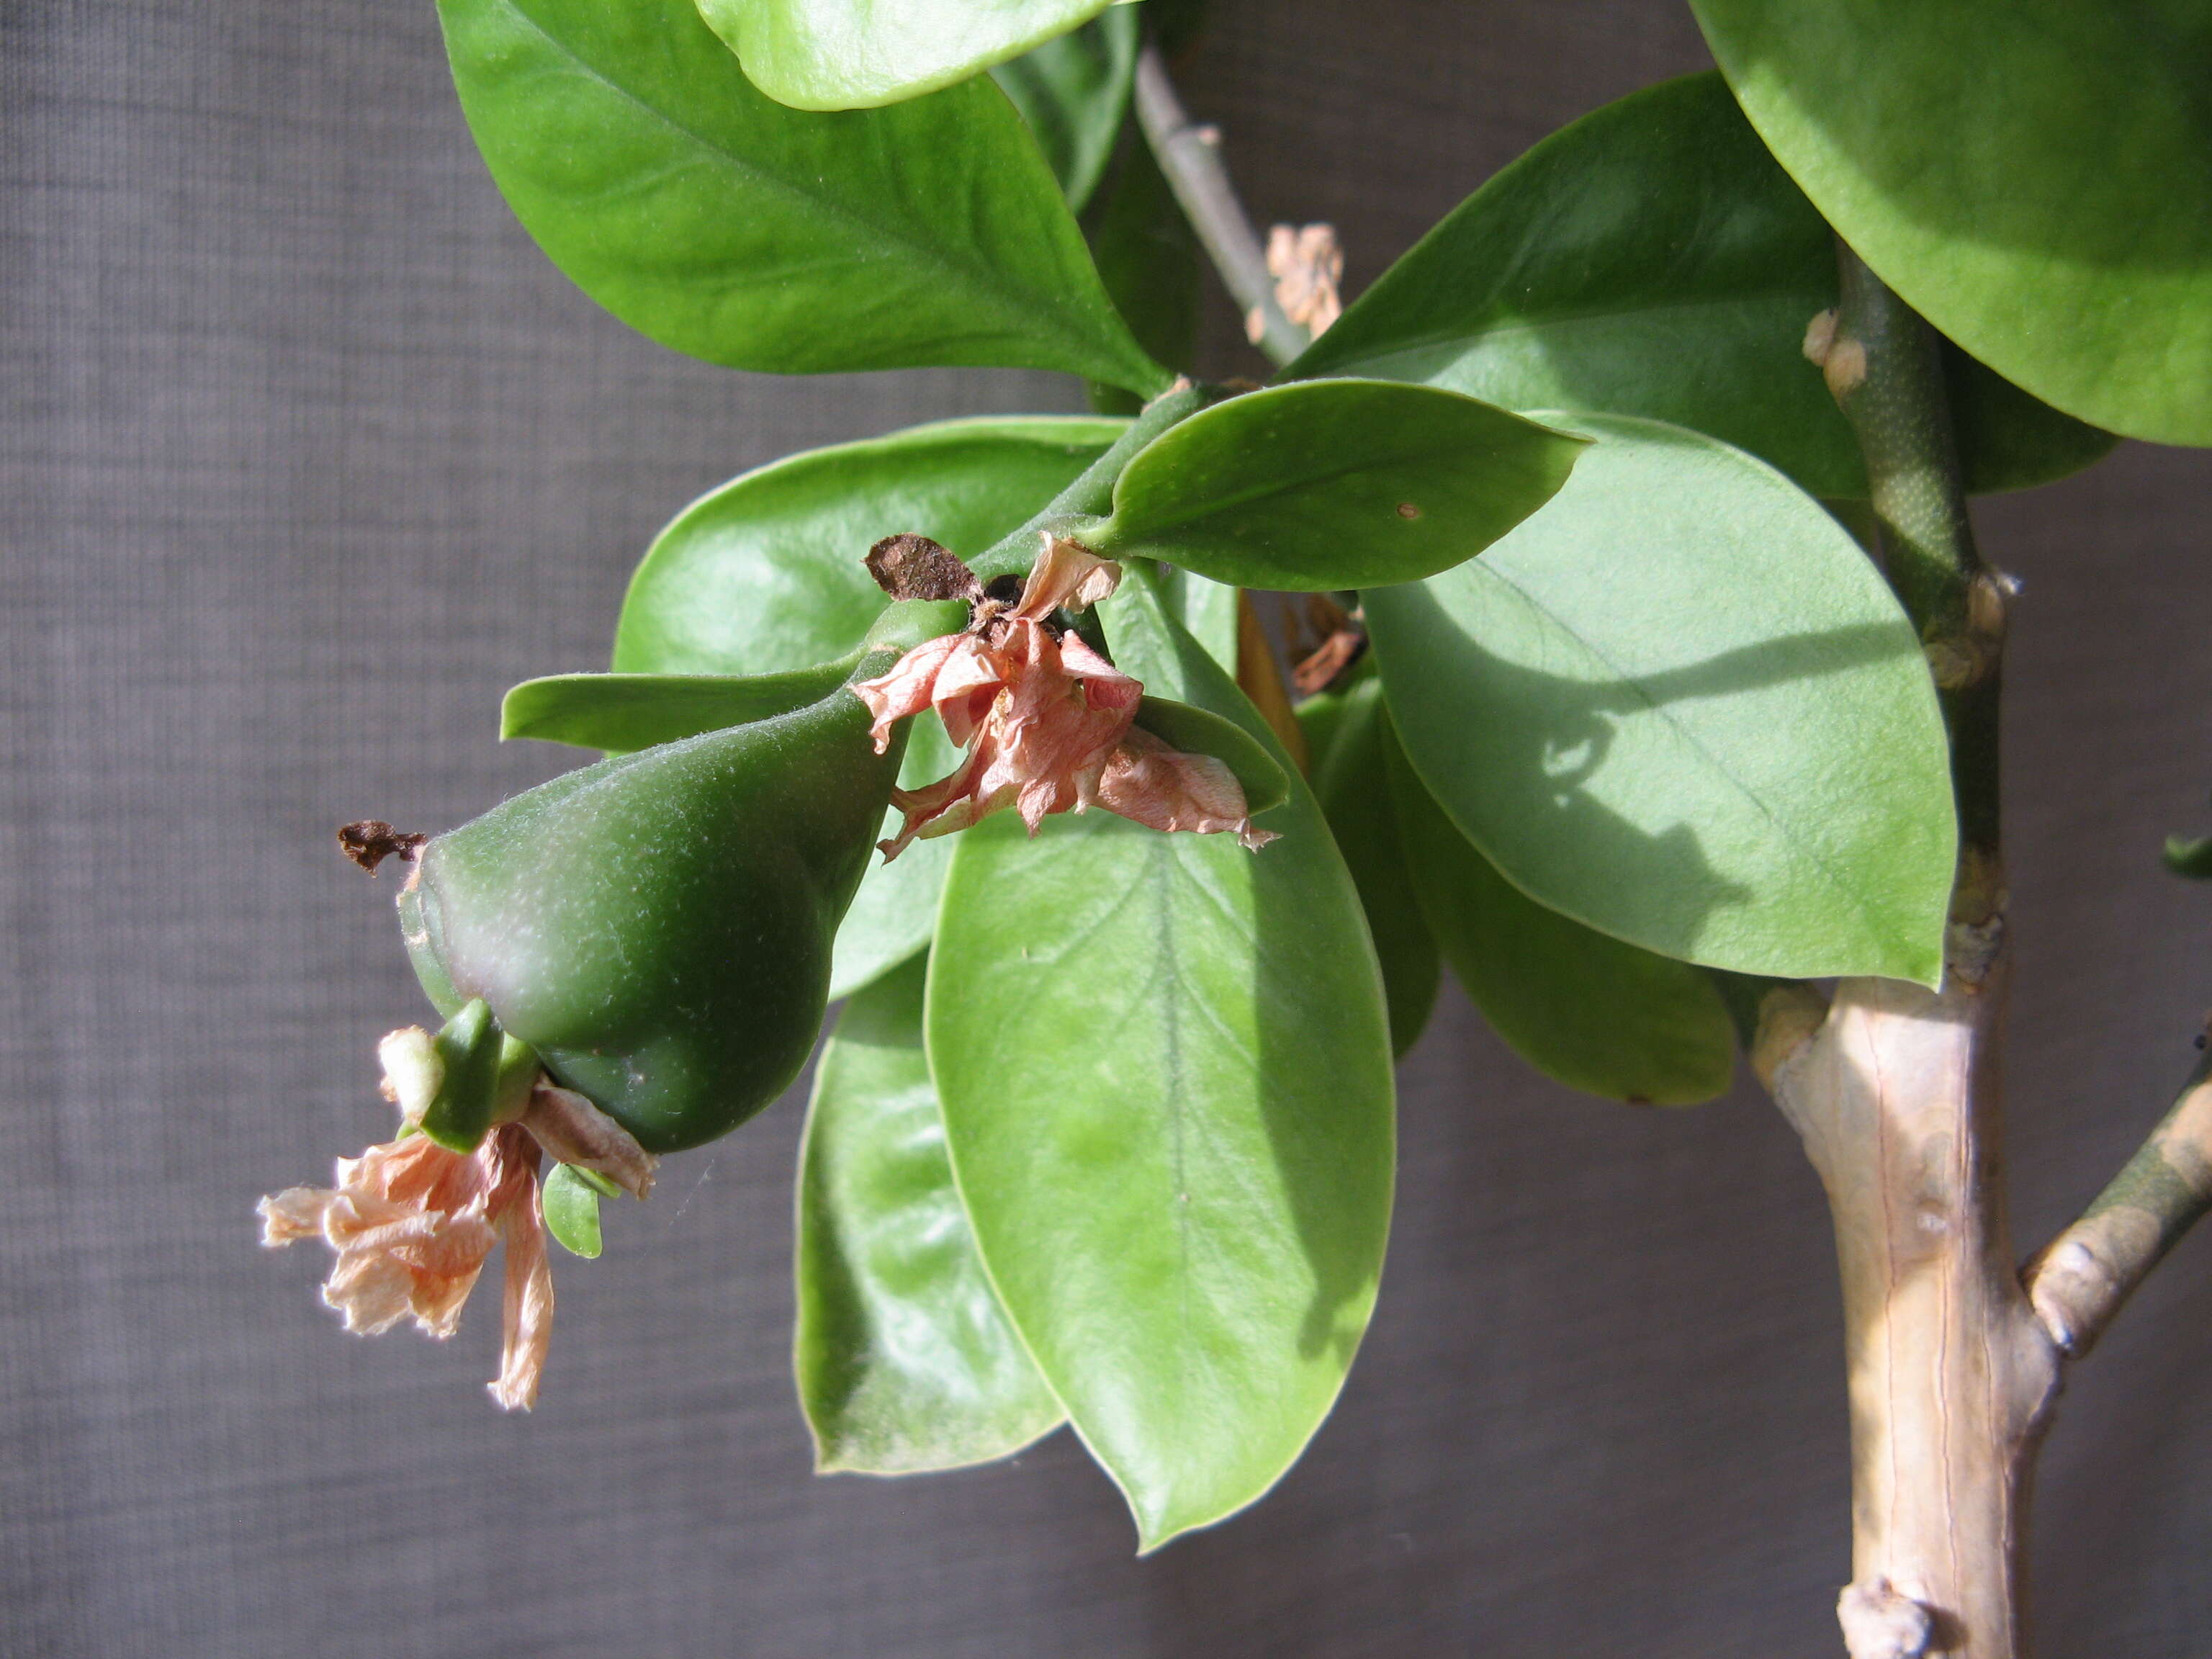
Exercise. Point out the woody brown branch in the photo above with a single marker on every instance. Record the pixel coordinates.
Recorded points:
(2078, 1281)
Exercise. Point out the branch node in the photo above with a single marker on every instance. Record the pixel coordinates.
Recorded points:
(1789, 1018)
(1880, 1623)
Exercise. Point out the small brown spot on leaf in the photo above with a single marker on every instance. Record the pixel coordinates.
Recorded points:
(371, 841)
(1407, 510)
(910, 567)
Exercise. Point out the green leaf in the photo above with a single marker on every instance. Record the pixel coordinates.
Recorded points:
(1345, 736)
(724, 225)
(856, 54)
(2033, 176)
(1148, 257)
(622, 713)
(1579, 1007)
(1073, 91)
(1207, 608)
(1682, 706)
(1195, 732)
(904, 1360)
(1653, 259)
(570, 1205)
(1334, 483)
(764, 574)
(1165, 1071)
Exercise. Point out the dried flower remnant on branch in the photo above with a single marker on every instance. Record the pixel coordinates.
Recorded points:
(1307, 263)
(412, 1223)
(1048, 725)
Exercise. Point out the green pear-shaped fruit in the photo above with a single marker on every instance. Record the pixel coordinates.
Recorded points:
(658, 927)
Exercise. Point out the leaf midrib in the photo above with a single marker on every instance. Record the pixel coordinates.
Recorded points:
(861, 229)
(1217, 505)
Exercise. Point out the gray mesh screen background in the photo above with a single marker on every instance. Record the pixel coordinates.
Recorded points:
(308, 454)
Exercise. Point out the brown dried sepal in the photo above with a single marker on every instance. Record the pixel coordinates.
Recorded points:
(1326, 640)
(911, 567)
(371, 841)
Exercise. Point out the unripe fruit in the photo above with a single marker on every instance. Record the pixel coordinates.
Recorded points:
(658, 928)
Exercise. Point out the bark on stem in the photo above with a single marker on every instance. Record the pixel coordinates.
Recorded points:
(2079, 1280)
(1190, 156)
(1896, 1092)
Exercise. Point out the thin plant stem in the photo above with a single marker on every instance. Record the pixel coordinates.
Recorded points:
(1190, 156)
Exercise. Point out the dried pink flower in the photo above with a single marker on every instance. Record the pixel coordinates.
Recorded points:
(1048, 723)
(412, 1223)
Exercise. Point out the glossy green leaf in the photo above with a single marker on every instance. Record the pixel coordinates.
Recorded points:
(904, 1360)
(1073, 91)
(1653, 259)
(1334, 483)
(1148, 257)
(570, 1205)
(856, 54)
(625, 712)
(722, 224)
(1207, 609)
(1681, 706)
(1577, 1004)
(1344, 736)
(2033, 176)
(764, 574)
(1165, 1070)
(1196, 731)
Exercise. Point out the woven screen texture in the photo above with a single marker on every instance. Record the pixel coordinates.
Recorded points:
(307, 454)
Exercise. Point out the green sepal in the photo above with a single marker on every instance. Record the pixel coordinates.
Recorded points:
(570, 1205)
(624, 712)
(468, 1046)
(599, 1183)
(1196, 731)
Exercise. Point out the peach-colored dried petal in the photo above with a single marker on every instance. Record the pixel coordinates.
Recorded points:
(905, 687)
(940, 808)
(410, 1225)
(1165, 788)
(527, 1303)
(572, 1130)
(1068, 576)
(1307, 264)
(1105, 685)
(967, 686)
(1048, 723)
(292, 1215)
